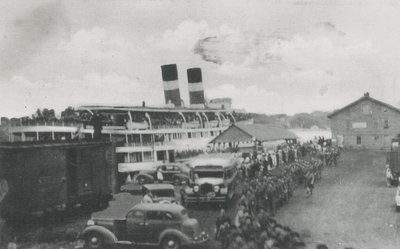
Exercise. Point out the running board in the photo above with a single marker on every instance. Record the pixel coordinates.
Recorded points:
(130, 243)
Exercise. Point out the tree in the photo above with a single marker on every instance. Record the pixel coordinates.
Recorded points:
(45, 115)
(69, 114)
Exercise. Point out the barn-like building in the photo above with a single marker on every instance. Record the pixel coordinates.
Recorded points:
(365, 123)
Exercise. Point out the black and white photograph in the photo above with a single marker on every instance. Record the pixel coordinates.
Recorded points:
(200, 124)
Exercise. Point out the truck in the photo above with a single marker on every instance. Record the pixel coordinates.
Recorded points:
(213, 179)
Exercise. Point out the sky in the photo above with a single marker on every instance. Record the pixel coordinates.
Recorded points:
(269, 56)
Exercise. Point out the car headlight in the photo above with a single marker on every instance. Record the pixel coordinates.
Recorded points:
(224, 190)
(216, 188)
(196, 188)
(90, 223)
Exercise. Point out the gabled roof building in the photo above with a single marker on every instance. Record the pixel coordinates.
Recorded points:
(365, 123)
(247, 135)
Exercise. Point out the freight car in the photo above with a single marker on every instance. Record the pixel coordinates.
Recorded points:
(44, 176)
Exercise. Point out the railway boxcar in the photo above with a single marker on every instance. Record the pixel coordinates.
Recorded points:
(55, 175)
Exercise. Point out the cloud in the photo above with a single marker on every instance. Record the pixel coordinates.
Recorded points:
(96, 50)
(28, 35)
(91, 88)
(251, 97)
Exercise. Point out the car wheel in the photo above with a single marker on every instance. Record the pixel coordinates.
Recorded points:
(94, 240)
(170, 242)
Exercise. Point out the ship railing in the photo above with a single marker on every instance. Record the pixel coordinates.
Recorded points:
(44, 123)
(192, 125)
(137, 144)
(161, 127)
(114, 127)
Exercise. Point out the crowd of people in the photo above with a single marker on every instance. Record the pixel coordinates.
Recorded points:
(267, 183)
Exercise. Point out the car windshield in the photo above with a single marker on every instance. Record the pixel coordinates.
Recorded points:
(209, 174)
(163, 193)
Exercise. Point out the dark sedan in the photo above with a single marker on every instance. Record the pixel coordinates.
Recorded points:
(176, 173)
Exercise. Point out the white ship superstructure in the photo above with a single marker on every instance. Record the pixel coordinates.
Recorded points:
(144, 135)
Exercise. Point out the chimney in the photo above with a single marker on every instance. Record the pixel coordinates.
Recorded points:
(171, 84)
(366, 94)
(196, 90)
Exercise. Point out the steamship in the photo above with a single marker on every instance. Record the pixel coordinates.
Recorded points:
(146, 135)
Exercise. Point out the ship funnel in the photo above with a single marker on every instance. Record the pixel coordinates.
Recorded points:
(196, 90)
(171, 84)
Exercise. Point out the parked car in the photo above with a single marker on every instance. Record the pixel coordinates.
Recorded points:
(164, 225)
(212, 179)
(163, 193)
(176, 173)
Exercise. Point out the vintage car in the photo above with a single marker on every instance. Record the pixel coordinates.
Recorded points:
(212, 179)
(164, 225)
(176, 173)
(163, 193)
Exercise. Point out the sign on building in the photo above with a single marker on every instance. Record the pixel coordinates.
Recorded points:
(359, 125)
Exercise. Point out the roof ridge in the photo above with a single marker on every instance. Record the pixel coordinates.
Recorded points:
(360, 99)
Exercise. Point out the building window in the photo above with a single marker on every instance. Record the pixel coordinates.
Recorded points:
(377, 139)
(385, 124)
(365, 109)
(135, 157)
(384, 109)
(358, 139)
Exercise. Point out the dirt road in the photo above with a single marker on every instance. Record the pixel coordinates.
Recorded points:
(351, 206)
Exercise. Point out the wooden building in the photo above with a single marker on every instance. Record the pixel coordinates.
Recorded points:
(366, 123)
(246, 137)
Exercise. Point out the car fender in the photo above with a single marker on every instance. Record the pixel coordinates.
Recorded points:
(109, 237)
(184, 239)
(147, 175)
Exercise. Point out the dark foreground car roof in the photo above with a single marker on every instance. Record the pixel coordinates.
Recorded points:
(118, 207)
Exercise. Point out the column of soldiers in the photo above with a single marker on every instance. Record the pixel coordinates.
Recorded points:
(266, 188)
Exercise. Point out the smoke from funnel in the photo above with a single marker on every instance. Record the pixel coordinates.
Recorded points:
(171, 84)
